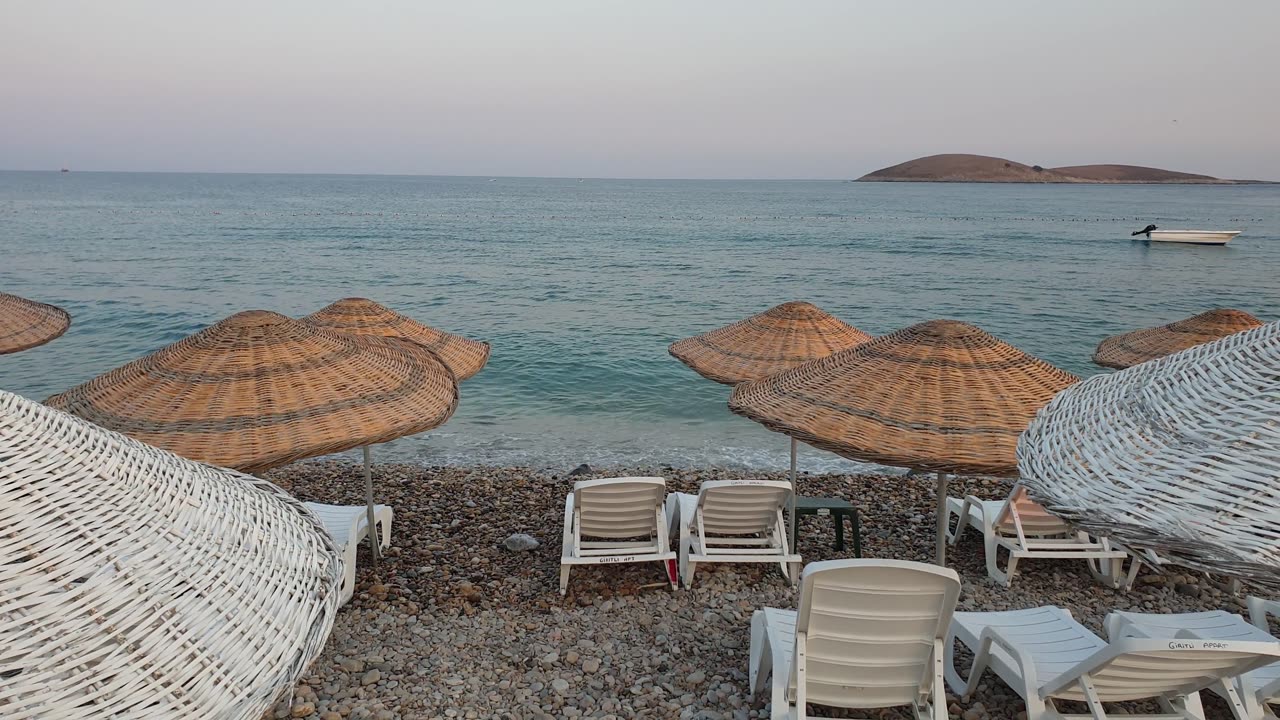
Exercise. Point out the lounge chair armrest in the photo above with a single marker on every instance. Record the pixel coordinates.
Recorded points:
(992, 636)
(1259, 609)
(1118, 626)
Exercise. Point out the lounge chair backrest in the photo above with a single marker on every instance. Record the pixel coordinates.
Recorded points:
(1209, 625)
(1035, 520)
(871, 628)
(741, 507)
(619, 507)
(1135, 668)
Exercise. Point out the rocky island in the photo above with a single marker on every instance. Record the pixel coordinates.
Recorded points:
(985, 169)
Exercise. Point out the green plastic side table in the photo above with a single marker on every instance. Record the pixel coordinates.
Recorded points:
(838, 510)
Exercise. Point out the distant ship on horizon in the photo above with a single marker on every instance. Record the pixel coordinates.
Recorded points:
(66, 169)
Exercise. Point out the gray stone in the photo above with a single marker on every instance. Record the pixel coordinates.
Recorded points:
(520, 542)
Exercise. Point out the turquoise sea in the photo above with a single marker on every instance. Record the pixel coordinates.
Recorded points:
(580, 285)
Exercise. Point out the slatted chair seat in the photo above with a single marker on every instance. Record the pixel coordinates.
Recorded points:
(1046, 656)
(867, 634)
(1026, 530)
(616, 520)
(348, 525)
(732, 521)
(1247, 695)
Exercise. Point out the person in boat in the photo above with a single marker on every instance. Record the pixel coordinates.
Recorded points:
(1144, 231)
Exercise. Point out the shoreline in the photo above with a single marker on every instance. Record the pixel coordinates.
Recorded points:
(451, 624)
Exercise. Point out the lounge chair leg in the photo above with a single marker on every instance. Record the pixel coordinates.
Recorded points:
(1190, 708)
(761, 654)
(564, 578)
(993, 562)
(1011, 569)
(953, 537)
(385, 536)
(1244, 705)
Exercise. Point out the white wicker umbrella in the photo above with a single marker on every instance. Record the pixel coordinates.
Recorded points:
(136, 583)
(1180, 455)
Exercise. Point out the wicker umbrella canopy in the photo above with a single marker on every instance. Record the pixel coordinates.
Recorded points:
(25, 324)
(258, 390)
(777, 339)
(136, 583)
(1139, 346)
(941, 396)
(365, 317)
(1180, 455)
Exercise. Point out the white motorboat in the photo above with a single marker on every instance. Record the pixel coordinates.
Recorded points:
(1188, 237)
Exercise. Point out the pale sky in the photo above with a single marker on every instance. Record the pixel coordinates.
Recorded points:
(649, 88)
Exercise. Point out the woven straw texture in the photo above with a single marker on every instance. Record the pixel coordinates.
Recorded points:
(137, 584)
(366, 317)
(25, 324)
(1139, 346)
(762, 345)
(941, 396)
(259, 390)
(1180, 455)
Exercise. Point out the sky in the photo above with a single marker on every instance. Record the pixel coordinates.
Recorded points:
(649, 88)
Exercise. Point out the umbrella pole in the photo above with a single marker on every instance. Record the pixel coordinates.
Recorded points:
(368, 498)
(791, 539)
(942, 520)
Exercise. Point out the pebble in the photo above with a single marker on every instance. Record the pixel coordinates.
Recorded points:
(520, 542)
(458, 625)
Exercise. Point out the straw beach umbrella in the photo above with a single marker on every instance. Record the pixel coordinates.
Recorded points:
(775, 340)
(25, 324)
(136, 583)
(258, 390)
(942, 396)
(365, 317)
(1139, 346)
(1180, 455)
(361, 316)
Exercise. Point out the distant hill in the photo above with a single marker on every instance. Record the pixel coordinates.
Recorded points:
(1133, 174)
(981, 168)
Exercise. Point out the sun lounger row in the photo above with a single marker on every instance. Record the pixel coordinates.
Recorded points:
(880, 633)
(631, 520)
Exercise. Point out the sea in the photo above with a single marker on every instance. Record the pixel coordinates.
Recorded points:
(581, 284)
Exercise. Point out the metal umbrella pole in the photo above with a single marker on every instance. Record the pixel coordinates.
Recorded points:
(941, 555)
(792, 535)
(368, 498)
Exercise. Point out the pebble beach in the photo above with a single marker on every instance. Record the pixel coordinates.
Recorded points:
(452, 624)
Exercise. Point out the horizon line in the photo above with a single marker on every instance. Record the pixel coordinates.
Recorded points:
(438, 175)
(1227, 181)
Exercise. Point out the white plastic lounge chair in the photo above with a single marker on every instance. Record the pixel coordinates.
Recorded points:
(733, 521)
(1247, 694)
(1259, 609)
(1027, 531)
(1046, 656)
(626, 518)
(868, 635)
(348, 525)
